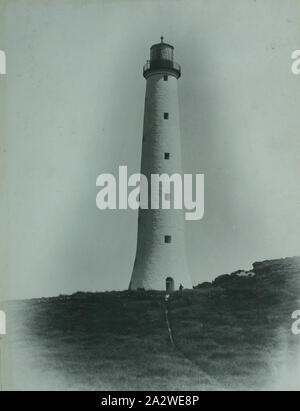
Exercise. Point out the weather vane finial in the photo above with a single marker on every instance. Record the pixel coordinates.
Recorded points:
(162, 38)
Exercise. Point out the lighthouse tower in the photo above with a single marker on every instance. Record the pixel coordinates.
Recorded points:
(160, 262)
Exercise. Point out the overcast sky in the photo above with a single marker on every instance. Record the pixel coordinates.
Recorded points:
(72, 108)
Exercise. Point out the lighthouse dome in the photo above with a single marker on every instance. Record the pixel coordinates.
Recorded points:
(161, 51)
(161, 59)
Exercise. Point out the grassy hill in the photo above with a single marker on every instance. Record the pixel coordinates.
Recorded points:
(234, 333)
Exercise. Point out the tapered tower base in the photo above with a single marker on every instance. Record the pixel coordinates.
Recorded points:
(160, 261)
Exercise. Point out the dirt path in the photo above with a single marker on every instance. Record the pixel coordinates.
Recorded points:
(215, 385)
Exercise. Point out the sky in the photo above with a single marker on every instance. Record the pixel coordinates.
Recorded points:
(72, 108)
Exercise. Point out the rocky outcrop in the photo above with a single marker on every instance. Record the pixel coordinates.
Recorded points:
(284, 272)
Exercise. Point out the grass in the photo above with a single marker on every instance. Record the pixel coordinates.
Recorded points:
(233, 334)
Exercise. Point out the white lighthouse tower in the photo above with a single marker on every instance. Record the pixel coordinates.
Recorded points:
(160, 261)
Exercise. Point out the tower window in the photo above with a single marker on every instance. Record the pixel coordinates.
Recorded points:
(167, 156)
(166, 116)
(168, 239)
(165, 78)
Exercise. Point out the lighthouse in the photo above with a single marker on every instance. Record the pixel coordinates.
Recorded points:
(160, 262)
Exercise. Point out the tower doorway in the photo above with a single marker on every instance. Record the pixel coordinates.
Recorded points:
(170, 285)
